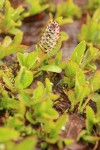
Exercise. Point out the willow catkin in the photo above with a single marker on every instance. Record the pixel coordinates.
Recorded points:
(50, 37)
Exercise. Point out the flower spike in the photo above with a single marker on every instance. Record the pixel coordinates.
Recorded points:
(50, 37)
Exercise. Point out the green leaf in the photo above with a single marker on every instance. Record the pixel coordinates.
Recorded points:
(38, 92)
(82, 88)
(27, 59)
(62, 20)
(28, 143)
(54, 96)
(25, 98)
(64, 36)
(71, 69)
(1, 4)
(29, 117)
(87, 137)
(8, 82)
(89, 118)
(49, 127)
(79, 82)
(50, 113)
(95, 80)
(96, 14)
(8, 103)
(61, 122)
(63, 64)
(71, 97)
(35, 7)
(24, 78)
(81, 134)
(58, 58)
(78, 52)
(90, 138)
(91, 55)
(54, 128)
(68, 142)
(48, 85)
(96, 98)
(51, 68)
(9, 46)
(7, 134)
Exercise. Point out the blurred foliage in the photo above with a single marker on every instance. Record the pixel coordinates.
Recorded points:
(68, 9)
(90, 32)
(10, 19)
(1, 4)
(9, 46)
(92, 5)
(35, 7)
(92, 120)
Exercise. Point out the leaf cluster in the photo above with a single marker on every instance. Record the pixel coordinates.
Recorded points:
(92, 5)
(90, 32)
(68, 9)
(10, 19)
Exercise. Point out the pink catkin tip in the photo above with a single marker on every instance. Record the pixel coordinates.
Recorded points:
(50, 37)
